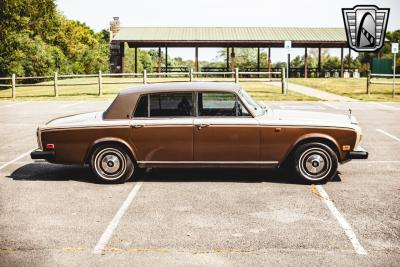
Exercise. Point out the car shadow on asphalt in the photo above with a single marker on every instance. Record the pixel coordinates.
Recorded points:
(43, 171)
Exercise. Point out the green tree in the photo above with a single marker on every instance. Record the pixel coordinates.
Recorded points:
(35, 39)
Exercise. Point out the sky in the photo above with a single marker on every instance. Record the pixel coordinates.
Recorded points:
(283, 13)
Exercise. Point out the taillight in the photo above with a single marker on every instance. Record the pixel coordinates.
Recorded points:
(50, 146)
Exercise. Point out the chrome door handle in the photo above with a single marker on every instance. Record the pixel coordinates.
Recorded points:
(200, 126)
(137, 126)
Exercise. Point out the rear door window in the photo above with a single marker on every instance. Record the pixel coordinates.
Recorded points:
(171, 104)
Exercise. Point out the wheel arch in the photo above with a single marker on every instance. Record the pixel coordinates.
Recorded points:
(111, 141)
(310, 138)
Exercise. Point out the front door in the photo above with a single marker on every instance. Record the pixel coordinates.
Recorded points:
(225, 132)
(162, 128)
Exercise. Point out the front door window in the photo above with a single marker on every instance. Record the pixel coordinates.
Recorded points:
(220, 104)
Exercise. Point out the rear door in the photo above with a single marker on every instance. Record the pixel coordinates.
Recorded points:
(162, 127)
(224, 129)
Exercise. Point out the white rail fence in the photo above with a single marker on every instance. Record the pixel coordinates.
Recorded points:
(193, 76)
(373, 78)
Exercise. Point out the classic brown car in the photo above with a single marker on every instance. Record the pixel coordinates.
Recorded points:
(199, 125)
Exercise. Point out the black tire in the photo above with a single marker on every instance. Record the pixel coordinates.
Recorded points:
(315, 163)
(112, 164)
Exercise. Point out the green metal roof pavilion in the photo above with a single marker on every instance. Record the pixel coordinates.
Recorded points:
(230, 36)
(227, 37)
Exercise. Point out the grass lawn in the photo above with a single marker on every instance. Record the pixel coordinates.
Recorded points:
(354, 88)
(259, 90)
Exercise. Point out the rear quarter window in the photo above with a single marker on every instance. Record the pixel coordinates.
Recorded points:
(142, 109)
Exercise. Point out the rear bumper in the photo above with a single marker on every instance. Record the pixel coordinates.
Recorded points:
(40, 154)
(358, 153)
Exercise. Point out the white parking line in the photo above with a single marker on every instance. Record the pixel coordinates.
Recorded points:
(73, 104)
(342, 221)
(328, 104)
(388, 134)
(16, 159)
(106, 236)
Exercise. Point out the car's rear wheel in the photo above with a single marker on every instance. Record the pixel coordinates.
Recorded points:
(111, 164)
(315, 163)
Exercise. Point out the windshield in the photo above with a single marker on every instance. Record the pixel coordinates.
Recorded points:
(258, 109)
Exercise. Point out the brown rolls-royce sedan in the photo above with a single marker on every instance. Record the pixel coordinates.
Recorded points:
(199, 124)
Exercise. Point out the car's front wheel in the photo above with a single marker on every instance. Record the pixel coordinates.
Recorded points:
(315, 163)
(111, 164)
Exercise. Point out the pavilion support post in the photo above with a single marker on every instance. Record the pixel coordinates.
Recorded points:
(258, 61)
(341, 63)
(349, 62)
(166, 59)
(305, 63)
(319, 62)
(227, 59)
(233, 60)
(122, 56)
(136, 59)
(159, 60)
(196, 59)
(269, 62)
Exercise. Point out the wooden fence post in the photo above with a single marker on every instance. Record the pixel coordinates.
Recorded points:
(283, 80)
(55, 84)
(13, 92)
(100, 81)
(368, 80)
(190, 75)
(236, 75)
(144, 76)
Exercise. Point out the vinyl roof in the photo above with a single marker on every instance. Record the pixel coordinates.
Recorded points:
(181, 86)
(229, 35)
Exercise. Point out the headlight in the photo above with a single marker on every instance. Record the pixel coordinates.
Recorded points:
(359, 137)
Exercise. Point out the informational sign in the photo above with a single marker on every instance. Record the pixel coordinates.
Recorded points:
(395, 48)
(288, 46)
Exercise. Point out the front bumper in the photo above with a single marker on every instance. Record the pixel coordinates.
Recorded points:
(40, 154)
(358, 153)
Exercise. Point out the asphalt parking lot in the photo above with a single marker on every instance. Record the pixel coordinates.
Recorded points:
(54, 215)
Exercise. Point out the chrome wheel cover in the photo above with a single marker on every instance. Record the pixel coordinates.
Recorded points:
(315, 164)
(110, 164)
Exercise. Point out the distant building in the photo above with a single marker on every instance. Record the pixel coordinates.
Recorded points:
(226, 37)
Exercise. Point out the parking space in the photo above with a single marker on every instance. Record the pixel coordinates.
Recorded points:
(56, 215)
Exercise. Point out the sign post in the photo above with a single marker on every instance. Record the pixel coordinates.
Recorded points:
(395, 50)
(287, 45)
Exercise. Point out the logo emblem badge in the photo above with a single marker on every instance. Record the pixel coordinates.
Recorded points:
(365, 27)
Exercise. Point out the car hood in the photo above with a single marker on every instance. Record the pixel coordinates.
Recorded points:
(309, 118)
